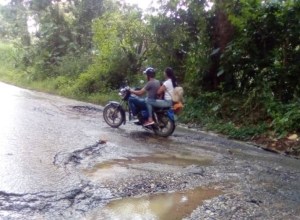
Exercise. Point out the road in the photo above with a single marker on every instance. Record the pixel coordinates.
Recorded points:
(59, 160)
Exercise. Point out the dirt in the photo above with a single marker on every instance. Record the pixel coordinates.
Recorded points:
(282, 145)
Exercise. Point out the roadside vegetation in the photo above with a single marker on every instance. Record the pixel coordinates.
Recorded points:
(238, 61)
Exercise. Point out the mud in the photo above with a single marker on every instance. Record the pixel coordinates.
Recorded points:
(167, 159)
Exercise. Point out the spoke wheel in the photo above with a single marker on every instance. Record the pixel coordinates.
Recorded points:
(113, 116)
(164, 127)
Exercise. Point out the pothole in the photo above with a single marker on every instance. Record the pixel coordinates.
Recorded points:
(84, 109)
(148, 174)
(120, 168)
(82, 197)
(76, 157)
(182, 160)
(163, 206)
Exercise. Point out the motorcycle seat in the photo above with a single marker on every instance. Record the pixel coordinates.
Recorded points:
(158, 108)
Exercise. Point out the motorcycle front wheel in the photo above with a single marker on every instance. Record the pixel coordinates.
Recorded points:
(164, 127)
(113, 115)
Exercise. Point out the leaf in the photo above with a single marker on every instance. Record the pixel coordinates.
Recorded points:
(220, 73)
(65, 39)
(215, 51)
(216, 108)
(293, 137)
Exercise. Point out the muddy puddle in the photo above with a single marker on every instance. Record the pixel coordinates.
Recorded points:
(120, 168)
(164, 206)
(182, 160)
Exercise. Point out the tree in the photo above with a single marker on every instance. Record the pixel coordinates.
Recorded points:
(14, 22)
(120, 41)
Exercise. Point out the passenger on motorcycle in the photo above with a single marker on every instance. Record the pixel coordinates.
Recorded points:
(165, 91)
(136, 103)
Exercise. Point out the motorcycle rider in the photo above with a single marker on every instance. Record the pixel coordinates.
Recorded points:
(165, 90)
(136, 103)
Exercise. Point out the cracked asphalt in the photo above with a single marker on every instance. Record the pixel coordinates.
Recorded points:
(59, 160)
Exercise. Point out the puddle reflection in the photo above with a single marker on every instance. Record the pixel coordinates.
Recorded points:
(166, 206)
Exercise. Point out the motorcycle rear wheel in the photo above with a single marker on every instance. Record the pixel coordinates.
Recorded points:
(113, 116)
(164, 127)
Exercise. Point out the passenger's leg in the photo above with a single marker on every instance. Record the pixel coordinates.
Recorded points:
(159, 103)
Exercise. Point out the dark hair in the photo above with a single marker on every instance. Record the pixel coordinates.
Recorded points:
(170, 74)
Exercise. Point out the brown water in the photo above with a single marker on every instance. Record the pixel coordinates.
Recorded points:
(182, 160)
(165, 206)
(119, 168)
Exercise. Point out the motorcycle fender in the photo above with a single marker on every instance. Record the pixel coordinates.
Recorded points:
(118, 105)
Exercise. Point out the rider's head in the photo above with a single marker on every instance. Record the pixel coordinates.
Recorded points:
(149, 72)
(169, 74)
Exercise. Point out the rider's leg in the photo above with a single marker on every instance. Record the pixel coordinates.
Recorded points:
(131, 102)
(136, 104)
(149, 103)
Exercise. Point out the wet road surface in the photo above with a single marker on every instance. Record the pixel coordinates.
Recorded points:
(59, 160)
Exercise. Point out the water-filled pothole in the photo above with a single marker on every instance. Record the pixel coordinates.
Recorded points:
(118, 169)
(164, 206)
(182, 160)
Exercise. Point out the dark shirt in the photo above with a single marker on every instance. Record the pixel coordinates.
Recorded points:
(152, 87)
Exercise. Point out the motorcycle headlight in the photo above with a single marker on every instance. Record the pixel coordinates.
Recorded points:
(122, 92)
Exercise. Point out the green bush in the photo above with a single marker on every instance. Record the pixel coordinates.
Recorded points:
(8, 64)
(223, 114)
(7, 55)
(286, 117)
(242, 132)
(72, 64)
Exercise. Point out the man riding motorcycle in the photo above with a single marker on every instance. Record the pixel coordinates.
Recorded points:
(136, 103)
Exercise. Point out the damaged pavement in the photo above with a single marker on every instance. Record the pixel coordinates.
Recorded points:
(59, 160)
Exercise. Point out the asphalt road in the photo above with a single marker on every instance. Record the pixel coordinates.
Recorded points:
(59, 160)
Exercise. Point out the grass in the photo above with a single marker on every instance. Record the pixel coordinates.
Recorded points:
(205, 114)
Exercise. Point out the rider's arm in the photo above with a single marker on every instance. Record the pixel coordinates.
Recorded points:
(138, 92)
(161, 90)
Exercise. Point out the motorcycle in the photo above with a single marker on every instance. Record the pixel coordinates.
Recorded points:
(114, 114)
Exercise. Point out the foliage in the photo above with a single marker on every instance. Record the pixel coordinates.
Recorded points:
(238, 61)
(6, 55)
(13, 22)
(208, 112)
(9, 59)
(119, 42)
(286, 117)
(265, 51)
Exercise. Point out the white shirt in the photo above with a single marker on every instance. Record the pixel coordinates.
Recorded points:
(169, 89)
